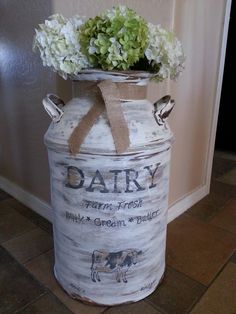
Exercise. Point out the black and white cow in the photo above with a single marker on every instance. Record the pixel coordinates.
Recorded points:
(118, 262)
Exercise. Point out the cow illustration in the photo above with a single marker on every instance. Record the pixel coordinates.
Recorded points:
(118, 262)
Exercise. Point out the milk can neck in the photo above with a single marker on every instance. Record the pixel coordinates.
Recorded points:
(84, 89)
(127, 91)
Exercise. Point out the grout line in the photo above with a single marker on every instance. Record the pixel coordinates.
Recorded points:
(192, 279)
(223, 229)
(25, 262)
(46, 289)
(31, 302)
(35, 257)
(226, 155)
(34, 220)
(106, 309)
(49, 293)
(213, 280)
(198, 298)
(216, 180)
(230, 259)
(23, 268)
(21, 234)
(18, 235)
(187, 276)
(221, 269)
(155, 306)
(190, 308)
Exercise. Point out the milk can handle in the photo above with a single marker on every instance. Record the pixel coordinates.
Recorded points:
(162, 109)
(53, 106)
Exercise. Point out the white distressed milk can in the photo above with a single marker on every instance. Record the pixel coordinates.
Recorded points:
(109, 155)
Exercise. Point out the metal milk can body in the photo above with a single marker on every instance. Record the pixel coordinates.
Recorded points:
(109, 210)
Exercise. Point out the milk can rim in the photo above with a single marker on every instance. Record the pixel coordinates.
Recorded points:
(139, 77)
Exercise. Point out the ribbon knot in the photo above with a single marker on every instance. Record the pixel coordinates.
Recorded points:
(109, 101)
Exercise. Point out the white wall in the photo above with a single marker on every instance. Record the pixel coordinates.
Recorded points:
(199, 25)
(24, 82)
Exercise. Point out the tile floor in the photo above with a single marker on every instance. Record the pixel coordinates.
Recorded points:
(201, 258)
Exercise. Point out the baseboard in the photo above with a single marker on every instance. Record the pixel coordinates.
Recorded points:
(26, 198)
(45, 210)
(186, 202)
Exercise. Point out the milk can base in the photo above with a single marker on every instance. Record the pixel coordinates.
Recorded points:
(87, 301)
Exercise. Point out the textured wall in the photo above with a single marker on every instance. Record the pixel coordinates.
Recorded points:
(24, 82)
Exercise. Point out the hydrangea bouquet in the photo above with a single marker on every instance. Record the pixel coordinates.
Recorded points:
(118, 39)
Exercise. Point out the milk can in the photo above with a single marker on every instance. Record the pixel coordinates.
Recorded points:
(109, 155)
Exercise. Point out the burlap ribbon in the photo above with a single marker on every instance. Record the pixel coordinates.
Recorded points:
(110, 100)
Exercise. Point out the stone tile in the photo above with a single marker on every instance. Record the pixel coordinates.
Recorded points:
(202, 210)
(17, 286)
(29, 245)
(220, 195)
(3, 195)
(42, 268)
(5, 208)
(229, 177)
(177, 293)
(76, 306)
(30, 214)
(222, 189)
(222, 166)
(221, 296)
(233, 258)
(135, 308)
(226, 218)
(225, 155)
(13, 225)
(197, 249)
(46, 304)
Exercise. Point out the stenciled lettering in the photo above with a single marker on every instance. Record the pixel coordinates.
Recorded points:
(148, 217)
(109, 223)
(100, 183)
(128, 205)
(75, 178)
(97, 205)
(152, 174)
(114, 180)
(74, 217)
(116, 172)
(132, 176)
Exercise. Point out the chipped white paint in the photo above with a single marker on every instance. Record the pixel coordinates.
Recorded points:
(52, 108)
(136, 77)
(110, 211)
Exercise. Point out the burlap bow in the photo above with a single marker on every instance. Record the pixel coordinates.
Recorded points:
(111, 93)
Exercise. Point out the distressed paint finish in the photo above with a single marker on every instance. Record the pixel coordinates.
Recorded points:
(110, 211)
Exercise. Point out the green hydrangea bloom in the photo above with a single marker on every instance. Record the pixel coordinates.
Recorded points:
(114, 40)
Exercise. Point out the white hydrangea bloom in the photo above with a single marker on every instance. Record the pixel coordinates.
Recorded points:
(164, 53)
(58, 44)
(112, 13)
